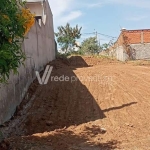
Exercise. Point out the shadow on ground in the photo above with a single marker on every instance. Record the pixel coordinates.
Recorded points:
(119, 107)
(61, 140)
(64, 101)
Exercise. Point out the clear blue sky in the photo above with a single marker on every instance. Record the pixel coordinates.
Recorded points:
(105, 16)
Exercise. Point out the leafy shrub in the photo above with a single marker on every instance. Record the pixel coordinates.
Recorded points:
(15, 23)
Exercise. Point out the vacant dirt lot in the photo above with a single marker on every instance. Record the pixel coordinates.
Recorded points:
(97, 104)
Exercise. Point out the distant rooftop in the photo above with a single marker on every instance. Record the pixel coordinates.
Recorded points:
(32, 1)
(136, 30)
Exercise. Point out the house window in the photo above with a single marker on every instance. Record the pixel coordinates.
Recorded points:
(37, 7)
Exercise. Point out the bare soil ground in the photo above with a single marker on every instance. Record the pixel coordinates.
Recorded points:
(103, 105)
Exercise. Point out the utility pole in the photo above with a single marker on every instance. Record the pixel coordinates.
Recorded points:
(96, 36)
(97, 40)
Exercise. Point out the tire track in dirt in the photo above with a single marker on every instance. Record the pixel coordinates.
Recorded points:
(140, 110)
(125, 91)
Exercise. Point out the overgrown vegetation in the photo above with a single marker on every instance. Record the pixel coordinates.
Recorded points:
(15, 23)
(90, 46)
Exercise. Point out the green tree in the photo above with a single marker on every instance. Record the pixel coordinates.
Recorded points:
(90, 46)
(106, 46)
(67, 36)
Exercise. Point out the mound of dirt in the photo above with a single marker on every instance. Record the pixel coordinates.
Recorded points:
(89, 103)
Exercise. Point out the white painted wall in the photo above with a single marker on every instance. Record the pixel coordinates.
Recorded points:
(36, 8)
(40, 49)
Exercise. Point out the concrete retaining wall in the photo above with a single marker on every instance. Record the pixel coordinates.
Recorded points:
(140, 51)
(39, 47)
(137, 51)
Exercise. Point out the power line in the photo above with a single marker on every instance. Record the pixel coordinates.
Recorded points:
(104, 39)
(109, 36)
(99, 40)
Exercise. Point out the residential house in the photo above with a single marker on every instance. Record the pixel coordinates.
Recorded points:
(132, 45)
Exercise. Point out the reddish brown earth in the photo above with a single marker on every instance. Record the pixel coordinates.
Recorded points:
(108, 108)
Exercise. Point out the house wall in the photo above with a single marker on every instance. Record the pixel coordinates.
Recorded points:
(121, 54)
(137, 51)
(146, 36)
(117, 50)
(132, 37)
(139, 43)
(112, 52)
(39, 47)
(36, 8)
(136, 36)
(140, 51)
(136, 42)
